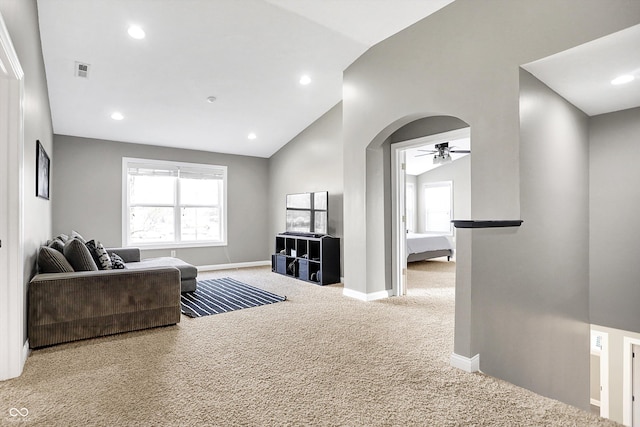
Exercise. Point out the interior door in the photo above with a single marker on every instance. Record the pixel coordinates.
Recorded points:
(635, 381)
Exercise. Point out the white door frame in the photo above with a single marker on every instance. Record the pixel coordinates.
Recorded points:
(627, 383)
(399, 233)
(398, 219)
(13, 350)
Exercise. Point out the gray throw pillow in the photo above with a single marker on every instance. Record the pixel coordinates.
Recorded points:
(76, 235)
(56, 244)
(62, 237)
(52, 261)
(79, 256)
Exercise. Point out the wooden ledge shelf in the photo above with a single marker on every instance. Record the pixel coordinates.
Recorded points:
(470, 223)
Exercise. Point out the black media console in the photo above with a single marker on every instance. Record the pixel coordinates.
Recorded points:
(309, 257)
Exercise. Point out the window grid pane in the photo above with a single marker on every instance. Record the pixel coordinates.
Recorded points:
(200, 192)
(200, 224)
(145, 190)
(437, 203)
(151, 224)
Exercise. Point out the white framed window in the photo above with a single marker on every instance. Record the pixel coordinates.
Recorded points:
(438, 206)
(410, 206)
(173, 204)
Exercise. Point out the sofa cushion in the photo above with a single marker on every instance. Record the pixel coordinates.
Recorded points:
(56, 244)
(76, 235)
(100, 255)
(62, 237)
(79, 256)
(52, 261)
(103, 257)
(187, 271)
(117, 262)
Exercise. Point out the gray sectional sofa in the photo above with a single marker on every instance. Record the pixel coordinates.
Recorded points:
(73, 305)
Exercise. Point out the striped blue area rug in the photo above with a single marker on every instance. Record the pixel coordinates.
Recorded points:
(216, 296)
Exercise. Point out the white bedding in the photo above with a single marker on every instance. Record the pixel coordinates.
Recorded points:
(418, 243)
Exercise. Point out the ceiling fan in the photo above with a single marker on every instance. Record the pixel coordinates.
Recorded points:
(442, 153)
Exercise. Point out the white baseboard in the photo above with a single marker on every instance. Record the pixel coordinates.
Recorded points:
(595, 402)
(233, 265)
(367, 297)
(465, 363)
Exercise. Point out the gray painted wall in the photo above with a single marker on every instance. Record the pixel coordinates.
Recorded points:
(463, 61)
(312, 161)
(459, 172)
(613, 207)
(530, 294)
(21, 19)
(87, 174)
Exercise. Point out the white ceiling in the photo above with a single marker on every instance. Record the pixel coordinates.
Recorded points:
(582, 75)
(249, 54)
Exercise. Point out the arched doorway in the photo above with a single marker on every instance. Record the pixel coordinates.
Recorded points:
(428, 191)
(386, 183)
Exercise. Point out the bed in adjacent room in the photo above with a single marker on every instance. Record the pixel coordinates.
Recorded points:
(421, 247)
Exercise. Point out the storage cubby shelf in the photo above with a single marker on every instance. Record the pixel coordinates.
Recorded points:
(312, 259)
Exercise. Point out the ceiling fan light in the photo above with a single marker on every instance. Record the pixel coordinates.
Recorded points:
(440, 159)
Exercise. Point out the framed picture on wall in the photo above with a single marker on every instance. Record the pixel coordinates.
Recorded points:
(42, 172)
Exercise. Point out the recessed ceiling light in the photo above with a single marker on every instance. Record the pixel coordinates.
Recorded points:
(211, 99)
(117, 116)
(136, 32)
(305, 80)
(620, 80)
(252, 136)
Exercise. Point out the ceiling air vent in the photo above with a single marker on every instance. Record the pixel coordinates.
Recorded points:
(82, 70)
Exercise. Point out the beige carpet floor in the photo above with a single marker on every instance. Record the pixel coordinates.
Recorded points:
(317, 359)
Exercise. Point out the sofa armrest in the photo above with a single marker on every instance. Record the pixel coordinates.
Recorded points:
(127, 254)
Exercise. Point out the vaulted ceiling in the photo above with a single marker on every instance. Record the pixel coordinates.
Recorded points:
(248, 58)
(247, 54)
